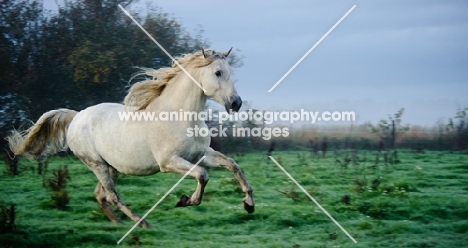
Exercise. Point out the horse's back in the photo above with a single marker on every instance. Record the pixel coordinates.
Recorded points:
(91, 119)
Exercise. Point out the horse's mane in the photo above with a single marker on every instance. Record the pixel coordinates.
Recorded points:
(141, 94)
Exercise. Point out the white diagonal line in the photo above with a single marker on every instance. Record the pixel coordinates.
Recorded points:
(162, 48)
(312, 48)
(307, 193)
(160, 200)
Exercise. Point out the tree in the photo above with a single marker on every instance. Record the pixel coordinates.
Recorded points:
(19, 40)
(387, 129)
(458, 128)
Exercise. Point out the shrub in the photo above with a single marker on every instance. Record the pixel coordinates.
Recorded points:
(11, 162)
(7, 218)
(57, 184)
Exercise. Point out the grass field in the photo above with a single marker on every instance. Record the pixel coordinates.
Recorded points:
(422, 201)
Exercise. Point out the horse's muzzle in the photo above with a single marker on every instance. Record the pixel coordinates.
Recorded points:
(234, 104)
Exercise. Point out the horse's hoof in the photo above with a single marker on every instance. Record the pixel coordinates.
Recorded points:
(183, 202)
(248, 208)
(144, 224)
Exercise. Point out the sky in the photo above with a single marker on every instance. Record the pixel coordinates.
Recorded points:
(385, 55)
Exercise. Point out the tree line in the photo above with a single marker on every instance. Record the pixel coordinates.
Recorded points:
(389, 134)
(79, 56)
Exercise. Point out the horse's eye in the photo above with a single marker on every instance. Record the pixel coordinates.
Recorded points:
(218, 73)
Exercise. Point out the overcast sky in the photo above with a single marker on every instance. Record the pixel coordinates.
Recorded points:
(384, 56)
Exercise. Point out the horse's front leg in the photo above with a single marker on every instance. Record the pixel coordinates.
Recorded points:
(217, 159)
(181, 166)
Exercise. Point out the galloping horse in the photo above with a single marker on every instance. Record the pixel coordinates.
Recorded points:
(109, 145)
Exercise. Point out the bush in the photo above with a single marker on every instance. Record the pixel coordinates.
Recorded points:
(11, 162)
(7, 218)
(57, 185)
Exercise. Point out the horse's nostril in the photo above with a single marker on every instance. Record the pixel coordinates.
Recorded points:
(234, 104)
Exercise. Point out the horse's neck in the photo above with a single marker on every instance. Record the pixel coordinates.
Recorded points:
(183, 94)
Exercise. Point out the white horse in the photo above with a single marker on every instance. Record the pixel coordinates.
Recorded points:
(109, 145)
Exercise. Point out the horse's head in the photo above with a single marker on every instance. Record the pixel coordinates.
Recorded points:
(216, 79)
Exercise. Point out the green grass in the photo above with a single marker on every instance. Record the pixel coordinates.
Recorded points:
(420, 202)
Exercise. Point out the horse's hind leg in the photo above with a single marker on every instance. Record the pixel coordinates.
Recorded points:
(105, 175)
(101, 196)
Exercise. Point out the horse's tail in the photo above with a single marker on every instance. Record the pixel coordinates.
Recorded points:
(47, 136)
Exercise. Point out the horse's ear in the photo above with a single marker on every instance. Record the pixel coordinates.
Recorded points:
(204, 54)
(227, 53)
